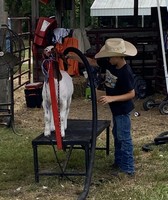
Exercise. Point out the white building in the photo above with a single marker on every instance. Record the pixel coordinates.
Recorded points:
(119, 9)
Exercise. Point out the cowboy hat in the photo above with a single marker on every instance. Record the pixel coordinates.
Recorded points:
(116, 47)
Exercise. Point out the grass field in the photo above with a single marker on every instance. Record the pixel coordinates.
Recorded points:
(150, 181)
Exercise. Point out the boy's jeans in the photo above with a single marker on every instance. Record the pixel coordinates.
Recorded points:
(123, 146)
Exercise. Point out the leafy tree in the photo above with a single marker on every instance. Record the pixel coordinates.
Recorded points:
(20, 8)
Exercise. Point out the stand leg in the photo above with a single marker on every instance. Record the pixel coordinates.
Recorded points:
(107, 140)
(36, 167)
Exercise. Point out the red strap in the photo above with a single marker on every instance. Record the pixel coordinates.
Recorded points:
(54, 106)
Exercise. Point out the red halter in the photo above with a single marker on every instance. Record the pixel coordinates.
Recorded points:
(53, 96)
(54, 103)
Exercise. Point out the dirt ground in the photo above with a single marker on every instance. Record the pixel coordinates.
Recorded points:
(144, 127)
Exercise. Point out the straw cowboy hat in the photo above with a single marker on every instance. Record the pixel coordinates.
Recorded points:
(116, 47)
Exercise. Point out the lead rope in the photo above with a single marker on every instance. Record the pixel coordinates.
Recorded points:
(55, 106)
(58, 102)
(58, 89)
(46, 77)
(55, 152)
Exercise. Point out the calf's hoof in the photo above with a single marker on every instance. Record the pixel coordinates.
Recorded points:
(63, 133)
(47, 133)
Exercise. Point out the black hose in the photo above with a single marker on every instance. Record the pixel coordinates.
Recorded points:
(84, 194)
(162, 138)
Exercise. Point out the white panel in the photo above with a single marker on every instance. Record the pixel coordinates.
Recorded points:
(167, 4)
(123, 7)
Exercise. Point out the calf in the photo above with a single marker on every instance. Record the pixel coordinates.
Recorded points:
(63, 89)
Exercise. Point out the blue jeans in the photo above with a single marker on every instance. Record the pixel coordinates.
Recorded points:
(123, 146)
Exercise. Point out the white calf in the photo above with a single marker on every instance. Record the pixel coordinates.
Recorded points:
(65, 96)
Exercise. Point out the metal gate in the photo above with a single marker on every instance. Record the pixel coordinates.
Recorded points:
(22, 26)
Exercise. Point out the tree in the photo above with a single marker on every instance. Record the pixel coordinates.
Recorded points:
(20, 8)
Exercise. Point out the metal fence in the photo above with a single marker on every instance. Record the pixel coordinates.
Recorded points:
(22, 26)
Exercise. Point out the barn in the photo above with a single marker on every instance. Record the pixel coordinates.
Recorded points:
(122, 19)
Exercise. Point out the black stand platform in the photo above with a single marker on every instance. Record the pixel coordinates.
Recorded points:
(78, 136)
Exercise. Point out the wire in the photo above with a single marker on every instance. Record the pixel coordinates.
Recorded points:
(57, 159)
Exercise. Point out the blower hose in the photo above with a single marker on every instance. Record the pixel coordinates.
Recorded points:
(84, 194)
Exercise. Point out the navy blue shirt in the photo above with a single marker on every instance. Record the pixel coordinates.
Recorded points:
(118, 82)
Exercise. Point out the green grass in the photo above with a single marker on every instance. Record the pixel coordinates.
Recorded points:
(17, 175)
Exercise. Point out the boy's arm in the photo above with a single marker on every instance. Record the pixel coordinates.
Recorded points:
(91, 61)
(124, 97)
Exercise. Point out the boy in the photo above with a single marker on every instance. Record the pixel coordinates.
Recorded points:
(119, 85)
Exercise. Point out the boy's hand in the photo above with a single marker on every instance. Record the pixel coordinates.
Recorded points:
(106, 99)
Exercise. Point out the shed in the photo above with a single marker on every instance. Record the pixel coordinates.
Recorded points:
(150, 42)
(123, 7)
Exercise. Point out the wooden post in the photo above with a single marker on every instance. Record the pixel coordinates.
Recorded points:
(35, 13)
(72, 16)
(59, 12)
(3, 88)
(82, 14)
(3, 14)
(135, 13)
